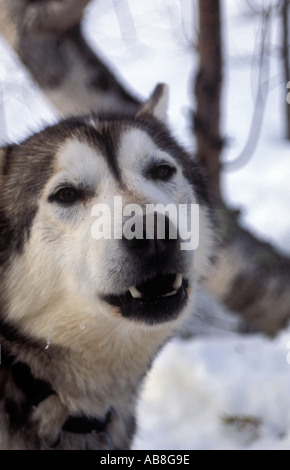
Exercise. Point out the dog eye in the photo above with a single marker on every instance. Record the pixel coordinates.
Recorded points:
(67, 195)
(162, 172)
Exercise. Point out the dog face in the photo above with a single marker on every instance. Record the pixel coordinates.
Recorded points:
(80, 177)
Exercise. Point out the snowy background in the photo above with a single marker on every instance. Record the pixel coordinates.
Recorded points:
(220, 389)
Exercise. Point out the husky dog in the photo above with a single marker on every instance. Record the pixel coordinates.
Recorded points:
(82, 317)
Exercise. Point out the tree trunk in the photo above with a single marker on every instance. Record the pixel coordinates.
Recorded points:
(206, 120)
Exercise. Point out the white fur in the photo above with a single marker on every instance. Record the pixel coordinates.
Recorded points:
(71, 271)
(53, 289)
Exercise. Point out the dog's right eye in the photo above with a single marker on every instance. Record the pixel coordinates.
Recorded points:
(68, 195)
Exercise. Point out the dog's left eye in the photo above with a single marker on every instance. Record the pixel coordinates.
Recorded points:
(162, 172)
(68, 195)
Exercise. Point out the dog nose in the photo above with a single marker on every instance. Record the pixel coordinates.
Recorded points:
(154, 236)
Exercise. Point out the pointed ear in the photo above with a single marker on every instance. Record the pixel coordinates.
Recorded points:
(157, 104)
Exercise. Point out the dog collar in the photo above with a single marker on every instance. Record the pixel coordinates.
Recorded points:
(84, 426)
(37, 390)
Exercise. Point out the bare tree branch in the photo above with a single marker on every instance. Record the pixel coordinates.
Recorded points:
(262, 88)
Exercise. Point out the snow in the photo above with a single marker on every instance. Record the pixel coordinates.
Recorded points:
(219, 389)
(227, 392)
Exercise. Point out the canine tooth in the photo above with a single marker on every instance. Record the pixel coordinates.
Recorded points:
(169, 294)
(136, 294)
(177, 282)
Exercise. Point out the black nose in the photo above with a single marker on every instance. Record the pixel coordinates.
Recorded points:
(152, 237)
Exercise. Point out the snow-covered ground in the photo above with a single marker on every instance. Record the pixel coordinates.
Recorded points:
(224, 392)
(220, 389)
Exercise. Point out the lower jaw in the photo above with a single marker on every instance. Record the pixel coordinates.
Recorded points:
(155, 311)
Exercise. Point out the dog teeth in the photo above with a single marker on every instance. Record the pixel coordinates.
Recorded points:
(169, 294)
(136, 294)
(177, 282)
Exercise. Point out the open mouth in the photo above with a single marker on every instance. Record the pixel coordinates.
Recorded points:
(156, 300)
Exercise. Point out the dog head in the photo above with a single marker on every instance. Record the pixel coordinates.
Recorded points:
(91, 211)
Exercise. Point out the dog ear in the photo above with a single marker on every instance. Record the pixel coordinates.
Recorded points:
(157, 104)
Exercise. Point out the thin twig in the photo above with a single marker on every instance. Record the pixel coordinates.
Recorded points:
(260, 100)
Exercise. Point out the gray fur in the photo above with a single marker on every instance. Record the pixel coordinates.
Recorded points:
(56, 327)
